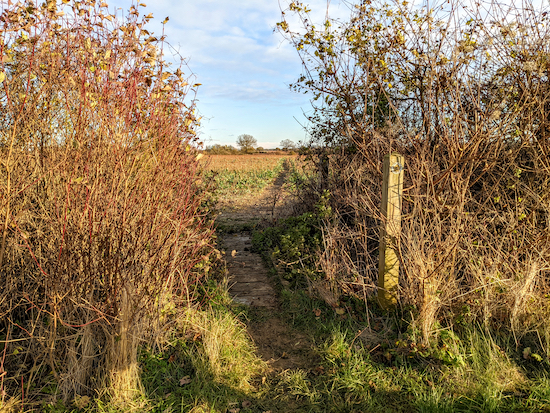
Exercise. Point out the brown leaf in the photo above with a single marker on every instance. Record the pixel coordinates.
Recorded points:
(81, 401)
(185, 380)
(317, 312)
(246, 404)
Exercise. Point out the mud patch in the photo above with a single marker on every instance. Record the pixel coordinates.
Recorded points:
(282, 347)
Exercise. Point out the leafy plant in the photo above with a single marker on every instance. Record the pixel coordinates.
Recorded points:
(293, 244)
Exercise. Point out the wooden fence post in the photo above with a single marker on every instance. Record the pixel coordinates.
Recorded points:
(388, 263)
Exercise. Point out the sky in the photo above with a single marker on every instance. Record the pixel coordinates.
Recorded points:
(244, 67)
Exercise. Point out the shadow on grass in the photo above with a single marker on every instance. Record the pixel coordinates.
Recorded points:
(350, 378)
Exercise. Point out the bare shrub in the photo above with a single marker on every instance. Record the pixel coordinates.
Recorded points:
(102, 223)
(462, 93)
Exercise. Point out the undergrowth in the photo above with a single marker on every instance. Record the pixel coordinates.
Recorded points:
(376, 361)
(367, 360)
(206, 362)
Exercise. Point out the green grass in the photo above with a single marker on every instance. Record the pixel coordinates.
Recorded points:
(212, 369)
(466, 371)
(210, 366)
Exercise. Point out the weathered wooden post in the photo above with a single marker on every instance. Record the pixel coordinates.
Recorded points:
(388, 263)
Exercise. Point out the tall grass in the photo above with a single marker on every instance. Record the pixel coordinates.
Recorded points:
(383, 369)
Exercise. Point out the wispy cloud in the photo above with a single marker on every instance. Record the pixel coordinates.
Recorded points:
(235, 54)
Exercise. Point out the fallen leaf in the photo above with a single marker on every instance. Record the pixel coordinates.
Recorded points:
(171, 358)
(185, 380)
(246, 403)
(233, 253)
(81, 401)
(340, 311)
(317, 312)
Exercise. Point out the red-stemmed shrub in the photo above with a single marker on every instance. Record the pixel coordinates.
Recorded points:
(102, 223)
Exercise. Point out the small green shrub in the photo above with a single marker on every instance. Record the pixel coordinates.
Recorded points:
(293, 245)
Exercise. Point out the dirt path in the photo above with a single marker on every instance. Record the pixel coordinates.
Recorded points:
(250, 282)
(248, 278)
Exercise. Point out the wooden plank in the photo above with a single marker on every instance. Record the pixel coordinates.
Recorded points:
(251, 288)
(388, 261)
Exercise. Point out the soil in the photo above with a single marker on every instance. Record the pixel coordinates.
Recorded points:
(250, 282)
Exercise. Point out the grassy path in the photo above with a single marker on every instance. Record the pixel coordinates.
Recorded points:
(250, 283)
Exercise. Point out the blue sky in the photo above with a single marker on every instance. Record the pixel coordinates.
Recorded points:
(244, 67)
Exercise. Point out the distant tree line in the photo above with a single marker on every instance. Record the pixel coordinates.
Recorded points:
(248, 144)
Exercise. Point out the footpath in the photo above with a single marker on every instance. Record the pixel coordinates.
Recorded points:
(251, 284)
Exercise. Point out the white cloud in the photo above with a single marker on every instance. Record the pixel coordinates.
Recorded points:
(231, 47)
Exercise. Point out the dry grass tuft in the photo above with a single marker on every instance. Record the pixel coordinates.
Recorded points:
(227, 353)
